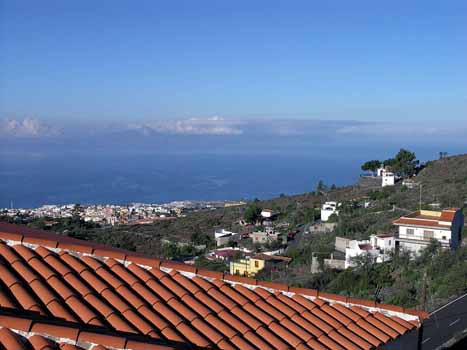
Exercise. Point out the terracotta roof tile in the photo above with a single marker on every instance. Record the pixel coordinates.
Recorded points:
(308, 304)
(306, 325)
(10, 340)
(247, 318)
(258, 313)
(323, 326)
(272, 339)
(8, 254)
(241, 343)
(257, 341)
(380, 325)
(326, 318)
(391, 323)
(354, 338)
(220, 325)
(209, 301)
(196, 305)
(248, 293)
(207, 330)
(15, 323)
(234, 322)
(40, 343)
(192, 334)
(55, 331)
(102, 339)
(5, 300)
(331, 344)
(313, 344)
(343, 341)
(203, 283)
(120, 300)
(362, 333)
(296, 329)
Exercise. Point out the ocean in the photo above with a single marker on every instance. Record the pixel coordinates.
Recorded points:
(155, 178)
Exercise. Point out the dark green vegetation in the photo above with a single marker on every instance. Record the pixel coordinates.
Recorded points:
(401, 281)
(442, 273)
(404, 163)
(371, 165)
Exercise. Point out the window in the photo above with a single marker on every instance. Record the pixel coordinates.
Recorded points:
(444, 237)
(427, 234)
(410, 232)
(256, 263)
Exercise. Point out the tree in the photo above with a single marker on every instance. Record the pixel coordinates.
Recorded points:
(405, 163)
(252, 213)
(371, 165)
(321, 187)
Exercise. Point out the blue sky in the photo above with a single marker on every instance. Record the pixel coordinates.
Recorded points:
(127, 61)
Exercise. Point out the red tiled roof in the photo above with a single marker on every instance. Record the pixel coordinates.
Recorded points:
(443, 221)
(448, 214)
(91, 295)
(419, 222)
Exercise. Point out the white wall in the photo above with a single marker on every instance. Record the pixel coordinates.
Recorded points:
(438, 234)
(388, 180)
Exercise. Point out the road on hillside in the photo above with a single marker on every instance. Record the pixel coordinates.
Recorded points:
(443, 324)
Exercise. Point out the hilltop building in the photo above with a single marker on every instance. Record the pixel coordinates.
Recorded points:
(417, 229)
(388, 178)
(329, 208)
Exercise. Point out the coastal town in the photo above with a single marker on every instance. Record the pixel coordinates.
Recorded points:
(265, 243)
(108, 214)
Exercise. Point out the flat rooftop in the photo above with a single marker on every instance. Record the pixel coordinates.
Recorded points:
(430, 218)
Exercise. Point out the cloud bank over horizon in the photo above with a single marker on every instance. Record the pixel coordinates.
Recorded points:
(27, 127)
(219, 126)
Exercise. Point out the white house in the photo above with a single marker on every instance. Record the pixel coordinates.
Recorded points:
(223, 237)
(267, 213)
(387, 177)
(378, 247)
(329, 208)
(417, 229)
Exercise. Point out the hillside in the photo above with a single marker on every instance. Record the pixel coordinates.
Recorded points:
(400, 282)
(444, 182)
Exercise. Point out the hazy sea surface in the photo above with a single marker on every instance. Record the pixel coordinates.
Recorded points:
(120, 179)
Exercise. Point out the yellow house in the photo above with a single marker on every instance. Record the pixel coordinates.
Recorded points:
(249, 267)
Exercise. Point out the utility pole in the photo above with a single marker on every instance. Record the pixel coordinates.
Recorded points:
(420, 330)
(424, 291)
(420, 202)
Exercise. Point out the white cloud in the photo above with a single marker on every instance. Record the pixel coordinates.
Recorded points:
(193, 126)
(28, 127)
(399, 129)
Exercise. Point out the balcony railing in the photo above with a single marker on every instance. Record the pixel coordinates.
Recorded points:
(423, 240)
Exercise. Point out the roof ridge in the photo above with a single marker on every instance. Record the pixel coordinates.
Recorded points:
(45, 238)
